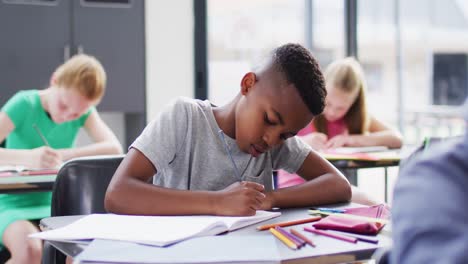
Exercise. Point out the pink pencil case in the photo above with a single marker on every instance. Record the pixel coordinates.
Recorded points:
(356, 226)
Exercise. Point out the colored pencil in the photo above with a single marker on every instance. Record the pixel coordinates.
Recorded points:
(358, 237)
(39, 172)
(336, 236)
(283, 239)
(329, 210)
(299, 243)
(6, 174)
(427, 141)
(44, 140)
(289, 223)
(301, 236)
(351, 216)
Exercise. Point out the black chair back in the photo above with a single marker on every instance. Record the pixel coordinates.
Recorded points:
(81, 185)
(79, 189)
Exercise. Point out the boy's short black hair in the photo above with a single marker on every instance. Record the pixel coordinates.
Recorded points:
(301, 69)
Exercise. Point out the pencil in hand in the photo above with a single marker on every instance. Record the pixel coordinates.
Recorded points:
(44, 140)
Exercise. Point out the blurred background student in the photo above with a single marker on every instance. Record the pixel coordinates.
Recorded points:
(345, 121)
(40, 127)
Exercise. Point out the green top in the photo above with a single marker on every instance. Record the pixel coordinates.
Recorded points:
(25, 110)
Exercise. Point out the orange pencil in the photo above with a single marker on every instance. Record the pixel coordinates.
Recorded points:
(301, 236)
(289, 223)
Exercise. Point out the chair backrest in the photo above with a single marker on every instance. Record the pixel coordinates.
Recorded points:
(81, 185)
(80, 188)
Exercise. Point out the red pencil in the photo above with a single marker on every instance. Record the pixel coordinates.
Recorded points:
(39, 172)
(336, 236)
(290, 223)
(301, 236)
(6, 174)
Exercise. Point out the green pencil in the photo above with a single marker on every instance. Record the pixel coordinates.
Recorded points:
(426, 143)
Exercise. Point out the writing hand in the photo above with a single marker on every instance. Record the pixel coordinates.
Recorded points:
(316, 140)
(339, 141)
(240, 199)
(45, 157)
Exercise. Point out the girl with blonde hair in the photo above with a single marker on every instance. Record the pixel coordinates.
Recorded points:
(345, 121)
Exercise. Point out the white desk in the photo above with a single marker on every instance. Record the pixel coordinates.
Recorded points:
(328, 250)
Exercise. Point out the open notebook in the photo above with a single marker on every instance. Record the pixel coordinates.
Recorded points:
(150, 230)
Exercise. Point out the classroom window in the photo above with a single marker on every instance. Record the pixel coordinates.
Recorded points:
(241, 32)
(377, 54)
(328, 37)
(432, 35)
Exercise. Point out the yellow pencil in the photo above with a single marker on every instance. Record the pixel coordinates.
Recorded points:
(283, 239)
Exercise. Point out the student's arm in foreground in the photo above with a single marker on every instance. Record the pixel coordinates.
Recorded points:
(379, 135)
(325, 185)
(105, 141)
(130, 193)
(42, 157)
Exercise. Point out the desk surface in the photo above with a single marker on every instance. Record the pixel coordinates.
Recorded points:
(21, 184)
(327, 251)
(388, 158)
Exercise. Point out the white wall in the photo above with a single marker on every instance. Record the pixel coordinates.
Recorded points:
(114, 120)
(169, 60)
(169, 52)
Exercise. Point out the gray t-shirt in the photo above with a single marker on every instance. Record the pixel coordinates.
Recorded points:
(185, 146)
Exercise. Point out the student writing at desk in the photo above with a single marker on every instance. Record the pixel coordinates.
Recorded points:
(33, 119)
(345, 121)
(219, 160)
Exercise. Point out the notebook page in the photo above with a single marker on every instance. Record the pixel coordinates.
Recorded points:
(234, 223)
(352, 150)
(151, 230)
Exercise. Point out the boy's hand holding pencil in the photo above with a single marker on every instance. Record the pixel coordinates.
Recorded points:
(240, 199)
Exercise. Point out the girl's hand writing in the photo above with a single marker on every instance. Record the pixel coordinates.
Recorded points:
(339, 141)
(316, 140)
(45, 157)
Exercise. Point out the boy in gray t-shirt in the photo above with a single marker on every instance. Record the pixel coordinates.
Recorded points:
(219, 160)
